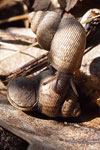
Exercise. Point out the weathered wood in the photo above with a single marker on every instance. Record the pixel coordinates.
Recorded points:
(48, 133)
(10, 58)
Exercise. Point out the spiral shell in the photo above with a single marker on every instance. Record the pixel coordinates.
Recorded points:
(49, 102)
(45, 24)
(53, 104)
(21, 93)
(67, 46)
(70, 107)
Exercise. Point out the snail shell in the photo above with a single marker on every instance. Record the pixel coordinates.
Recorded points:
(49, 101)
(21, 93)
(45, 24)
(53, 104)
(67, 46)
(64, 37)
(70, 107)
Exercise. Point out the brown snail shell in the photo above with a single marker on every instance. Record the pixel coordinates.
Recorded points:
(64, 37)
(70, 107)
(48, 100)
(53, 104)
(67, 46)
(21, 93)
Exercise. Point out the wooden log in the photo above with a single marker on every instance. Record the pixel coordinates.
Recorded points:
(48, 133)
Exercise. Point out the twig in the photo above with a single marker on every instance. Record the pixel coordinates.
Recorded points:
(32, 66)
(16, 18)
(18, 37)
(19, 51)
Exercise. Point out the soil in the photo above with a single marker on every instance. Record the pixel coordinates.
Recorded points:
(9, 141)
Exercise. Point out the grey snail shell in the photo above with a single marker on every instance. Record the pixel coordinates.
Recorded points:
(66, 40)
(66, 52)
(45, 24)
(68, 46)
(64, 37)
(21, 93)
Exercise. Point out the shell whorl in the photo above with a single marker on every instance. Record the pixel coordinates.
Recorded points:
(45, 24)
(36, 18)
(49, 102)
(67, 46)
(21, 93)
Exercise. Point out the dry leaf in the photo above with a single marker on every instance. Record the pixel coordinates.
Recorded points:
(10, 58)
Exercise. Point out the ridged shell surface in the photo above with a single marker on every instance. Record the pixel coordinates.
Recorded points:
(36, 19)
(70, 106)
(49, 101)
(68, 46)
(47, 29)
(21, 93)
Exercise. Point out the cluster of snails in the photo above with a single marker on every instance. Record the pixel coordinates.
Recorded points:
(53, 94)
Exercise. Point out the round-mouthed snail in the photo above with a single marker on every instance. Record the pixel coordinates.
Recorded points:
(65, 38)
(21, 93)
(54, 104)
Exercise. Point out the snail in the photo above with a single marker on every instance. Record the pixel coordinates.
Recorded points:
(24, 95)
(65, 38)
(53, 104)
(66, 45)
(21, 93)
(44, 24)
